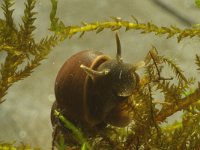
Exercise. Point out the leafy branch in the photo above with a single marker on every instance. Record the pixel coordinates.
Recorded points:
(115, 23)
(178, 72)
(182, 104)
(198, 62)
(20, 46)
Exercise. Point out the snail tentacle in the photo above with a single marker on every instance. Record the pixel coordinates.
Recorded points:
(93, 73)
(118, 56)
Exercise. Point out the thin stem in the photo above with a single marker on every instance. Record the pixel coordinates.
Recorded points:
(158, 72)
(184, 102)
(77, 132)
(69, 31)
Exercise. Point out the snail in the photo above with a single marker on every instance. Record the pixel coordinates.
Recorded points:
(91, 88)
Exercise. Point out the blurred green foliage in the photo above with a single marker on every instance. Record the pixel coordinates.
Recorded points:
(11, 146)
(197, 2)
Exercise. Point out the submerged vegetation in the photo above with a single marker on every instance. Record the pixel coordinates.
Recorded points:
(148, 130)
(23, 54)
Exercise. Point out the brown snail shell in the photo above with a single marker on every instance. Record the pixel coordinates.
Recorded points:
(71, 87)
(91, 89)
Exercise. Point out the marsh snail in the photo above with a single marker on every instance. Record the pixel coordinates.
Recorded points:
(91, 88)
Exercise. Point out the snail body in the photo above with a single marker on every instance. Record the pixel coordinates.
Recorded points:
(92, 88)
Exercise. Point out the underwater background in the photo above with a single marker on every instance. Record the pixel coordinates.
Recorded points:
(25, 115)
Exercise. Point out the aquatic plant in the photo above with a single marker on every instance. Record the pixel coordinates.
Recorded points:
(23, 52)
(11, 146)
(148, 129)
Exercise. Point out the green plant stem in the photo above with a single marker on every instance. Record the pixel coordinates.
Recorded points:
(77, 133)
(58, 27)
(69, 31)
